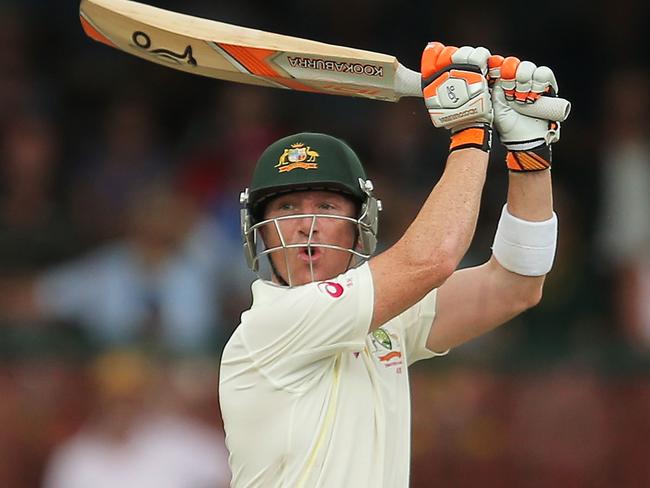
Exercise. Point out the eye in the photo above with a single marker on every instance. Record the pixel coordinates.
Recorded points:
(286, 206)
(326, 206)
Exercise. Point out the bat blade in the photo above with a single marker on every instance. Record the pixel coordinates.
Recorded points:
(239, 54)
(243, 55)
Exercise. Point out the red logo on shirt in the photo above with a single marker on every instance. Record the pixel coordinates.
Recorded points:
(334, 290)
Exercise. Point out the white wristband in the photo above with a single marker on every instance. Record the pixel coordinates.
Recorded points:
(524, 247)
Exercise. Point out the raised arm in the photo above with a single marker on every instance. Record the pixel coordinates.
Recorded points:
(476, 300)
(457, 97)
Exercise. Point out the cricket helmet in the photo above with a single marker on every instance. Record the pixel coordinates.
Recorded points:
(309, 161)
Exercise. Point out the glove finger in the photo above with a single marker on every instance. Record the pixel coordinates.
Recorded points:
(444, 59)
(508, 74)
(436, 59)
(479, 57)
(451, 78)
(461, 56)
(430, 58)
(524, 80)
(494, 68)
(544, 81)
(539, 86)
(473, 56)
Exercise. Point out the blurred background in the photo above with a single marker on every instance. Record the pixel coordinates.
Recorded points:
(122, 275)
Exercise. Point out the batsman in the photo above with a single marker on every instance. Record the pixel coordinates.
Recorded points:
(314, 386)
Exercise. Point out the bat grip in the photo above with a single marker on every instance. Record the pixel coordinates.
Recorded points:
(547, 108)
(408, 84)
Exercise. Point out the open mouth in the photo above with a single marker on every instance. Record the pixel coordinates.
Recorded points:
(308, 253)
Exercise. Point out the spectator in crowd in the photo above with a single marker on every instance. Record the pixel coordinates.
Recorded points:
(164, 283)
(34, 231)
(624, 228)
(135, 440)
(238, 125)
(17, 81)
(129, 154)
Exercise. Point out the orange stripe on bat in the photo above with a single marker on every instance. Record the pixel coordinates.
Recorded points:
(254, 59)
(296, 85)
(94, 33)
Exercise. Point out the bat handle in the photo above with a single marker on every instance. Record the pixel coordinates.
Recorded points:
(548, 108)
(408, 84)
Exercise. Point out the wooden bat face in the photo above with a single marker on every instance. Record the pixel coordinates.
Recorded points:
(242, 55)
(238, 54)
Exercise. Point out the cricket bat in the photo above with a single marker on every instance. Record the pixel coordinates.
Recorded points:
(243, 55)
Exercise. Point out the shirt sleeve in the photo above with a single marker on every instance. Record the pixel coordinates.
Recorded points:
(299, 331)
(415, 325)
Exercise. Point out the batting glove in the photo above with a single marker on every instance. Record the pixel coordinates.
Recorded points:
(456, 94)
(527, 139)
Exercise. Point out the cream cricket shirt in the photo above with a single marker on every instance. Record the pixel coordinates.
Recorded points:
(309, 398)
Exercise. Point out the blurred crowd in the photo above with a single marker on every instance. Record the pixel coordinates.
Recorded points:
(122, 273)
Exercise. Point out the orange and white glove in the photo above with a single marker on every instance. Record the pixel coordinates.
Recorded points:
(456, 93)
(528, 139)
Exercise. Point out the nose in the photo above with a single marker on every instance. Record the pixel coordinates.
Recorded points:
(307, 226)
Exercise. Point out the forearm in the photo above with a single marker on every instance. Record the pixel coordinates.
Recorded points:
(475, 300)
(530, 198)
(530, 195)
(441, 233)
(457, 98)
(471, 302)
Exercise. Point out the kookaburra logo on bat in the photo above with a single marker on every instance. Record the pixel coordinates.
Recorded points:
(143, 41)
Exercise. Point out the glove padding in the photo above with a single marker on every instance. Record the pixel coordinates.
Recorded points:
(522, 83)
(455, 87)
(527, 139)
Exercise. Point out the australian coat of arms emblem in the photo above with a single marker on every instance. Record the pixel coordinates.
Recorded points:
(297, 156)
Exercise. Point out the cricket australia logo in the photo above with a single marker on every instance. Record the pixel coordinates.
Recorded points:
(297, 156)
(385, 351)
(380, 336)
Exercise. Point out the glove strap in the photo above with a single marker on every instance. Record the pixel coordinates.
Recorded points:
(479, 137)
(537, 159)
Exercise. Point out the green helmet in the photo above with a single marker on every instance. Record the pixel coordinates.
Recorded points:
(306, 161)
(309, 161)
